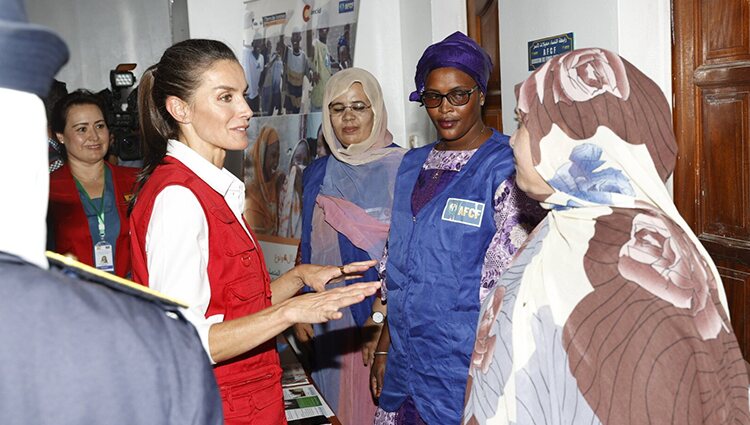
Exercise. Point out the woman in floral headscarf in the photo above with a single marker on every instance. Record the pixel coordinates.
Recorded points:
(612, 312)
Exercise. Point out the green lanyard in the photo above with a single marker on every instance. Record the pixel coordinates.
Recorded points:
(99, 211)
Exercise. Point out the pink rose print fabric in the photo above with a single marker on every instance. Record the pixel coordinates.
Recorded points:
(588, 88)
(611, 312)
(485, 343)
(652, 343)
(666, 264)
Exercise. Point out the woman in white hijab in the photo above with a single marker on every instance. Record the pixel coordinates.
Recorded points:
(346, 211)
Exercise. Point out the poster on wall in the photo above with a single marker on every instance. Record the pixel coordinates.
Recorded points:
(290, 50)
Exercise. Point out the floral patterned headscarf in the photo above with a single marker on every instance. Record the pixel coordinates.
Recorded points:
(612, 301)
(588, 107)
(601, 135)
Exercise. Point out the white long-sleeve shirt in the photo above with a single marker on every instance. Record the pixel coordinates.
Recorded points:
(177, 238)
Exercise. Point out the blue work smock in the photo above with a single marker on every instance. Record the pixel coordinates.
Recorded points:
(311, 183)
(433, 276)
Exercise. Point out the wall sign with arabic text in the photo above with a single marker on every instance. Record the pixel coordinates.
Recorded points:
(544, 49)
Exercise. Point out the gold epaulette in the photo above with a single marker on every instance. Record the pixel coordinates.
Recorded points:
(91, 274)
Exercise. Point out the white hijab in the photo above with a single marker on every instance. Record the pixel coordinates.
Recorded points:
(380, 138)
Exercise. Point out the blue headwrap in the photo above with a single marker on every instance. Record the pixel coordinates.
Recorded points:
(456, 51)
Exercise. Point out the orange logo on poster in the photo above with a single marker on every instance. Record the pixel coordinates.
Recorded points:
(306, 13)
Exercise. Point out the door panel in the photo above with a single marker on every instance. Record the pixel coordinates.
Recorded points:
(484, 27)
(711, 75)
(724, 212)
(735, 282)
(728, 40)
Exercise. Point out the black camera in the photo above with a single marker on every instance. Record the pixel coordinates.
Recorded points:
(123, 116)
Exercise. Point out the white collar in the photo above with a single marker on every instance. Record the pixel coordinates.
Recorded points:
(220, 180)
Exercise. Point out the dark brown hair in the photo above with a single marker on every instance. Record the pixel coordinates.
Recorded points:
(57, 91)
(79, 97)
(178, 74)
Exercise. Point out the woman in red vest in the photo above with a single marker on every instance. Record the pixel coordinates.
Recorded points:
(189, 238)
(88, 198)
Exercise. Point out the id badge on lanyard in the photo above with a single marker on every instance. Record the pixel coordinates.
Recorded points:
(103, 259)
(103, 255)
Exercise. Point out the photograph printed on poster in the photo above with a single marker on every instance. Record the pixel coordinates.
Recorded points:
(290, 50)
(280, 149)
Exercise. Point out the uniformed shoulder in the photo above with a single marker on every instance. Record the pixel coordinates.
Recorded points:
(165, 175)
(94, 276)
(497, 147)
(415, 157)
(499, 142)
(500, 137)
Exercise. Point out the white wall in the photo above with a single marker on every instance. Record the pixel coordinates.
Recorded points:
(639, 30)
(219, 19)
(378, 49)
(103, 33)
(391, 37)
(645, 37)
(593, 22)
(448, 16)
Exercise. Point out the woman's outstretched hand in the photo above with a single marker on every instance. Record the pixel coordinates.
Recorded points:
(321, 307)
(317, 277)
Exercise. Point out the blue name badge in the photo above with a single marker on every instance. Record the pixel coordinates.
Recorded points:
(463, 211)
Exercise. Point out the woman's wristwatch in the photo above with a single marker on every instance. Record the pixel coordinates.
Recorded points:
(377, 317)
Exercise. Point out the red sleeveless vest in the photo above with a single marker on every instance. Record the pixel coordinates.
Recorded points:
(250, 384)
(69, 222)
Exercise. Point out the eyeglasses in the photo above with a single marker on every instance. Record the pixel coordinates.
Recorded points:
(357, 107)
(457, 97)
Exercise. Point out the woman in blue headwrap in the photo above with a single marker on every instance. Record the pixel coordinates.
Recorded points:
(453, 200)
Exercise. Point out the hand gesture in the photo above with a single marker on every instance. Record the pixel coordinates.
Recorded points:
(317, 277)
(303, 333)
(324, 306)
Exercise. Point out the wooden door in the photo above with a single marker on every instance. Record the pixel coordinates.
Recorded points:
(484, 27)
(711, 76)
